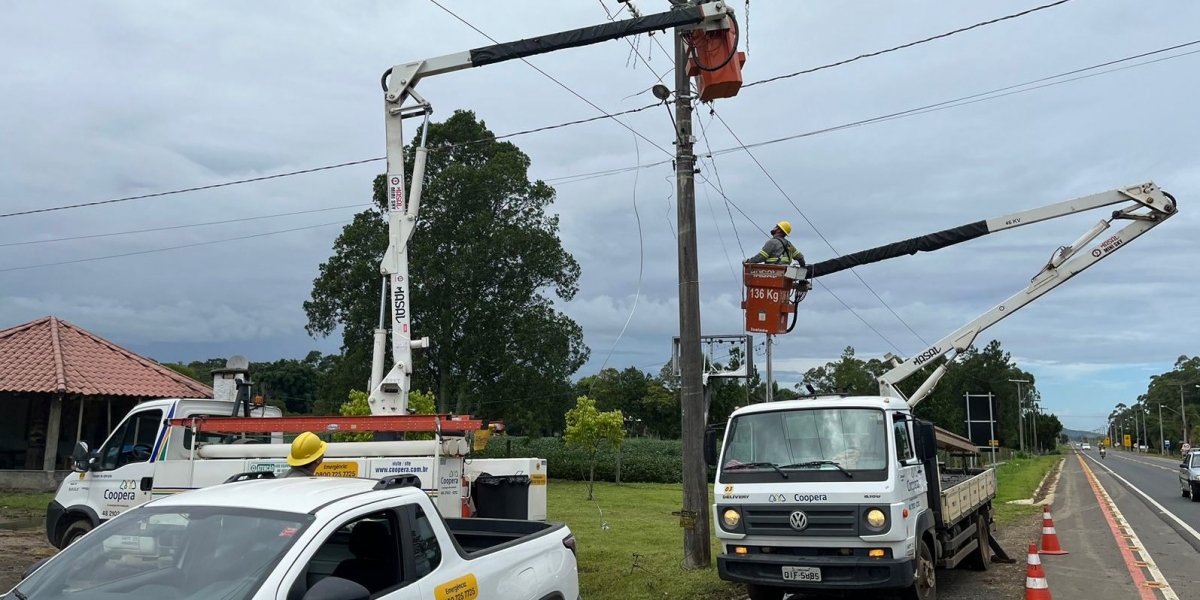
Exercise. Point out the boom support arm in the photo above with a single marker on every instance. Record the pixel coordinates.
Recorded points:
(1148, 207)
(389, 394)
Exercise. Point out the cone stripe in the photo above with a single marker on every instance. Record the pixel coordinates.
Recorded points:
(1034, 560)
(1036, 583)
(1048, 531)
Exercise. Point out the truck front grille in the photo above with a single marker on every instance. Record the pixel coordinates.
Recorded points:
(832, 520)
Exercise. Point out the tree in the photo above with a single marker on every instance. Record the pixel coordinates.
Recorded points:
(185, 370)
(592, 430)
(359, 406)
(481, 260)
(294, 382)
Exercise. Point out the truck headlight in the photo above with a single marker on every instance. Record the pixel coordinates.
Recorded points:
(876, 519)
(730, 518)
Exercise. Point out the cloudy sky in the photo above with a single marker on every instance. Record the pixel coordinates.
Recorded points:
(110, 99)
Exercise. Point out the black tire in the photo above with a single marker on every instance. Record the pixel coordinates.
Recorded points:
(924, 587)
(762, 592)
(1192, 493)
(74, 531)
(981, 559)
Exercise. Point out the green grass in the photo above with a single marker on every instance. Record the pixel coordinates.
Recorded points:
(1017, 479)
(639, 521)
(25, 501)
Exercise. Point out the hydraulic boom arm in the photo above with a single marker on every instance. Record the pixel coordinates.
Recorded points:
(1148, 206)
(389, 394)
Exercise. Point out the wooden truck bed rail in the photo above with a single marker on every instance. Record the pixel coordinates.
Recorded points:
(962, 495)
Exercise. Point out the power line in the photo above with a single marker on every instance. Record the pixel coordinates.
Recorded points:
(192, 189)
(172, 227)
(810, 223)
(578, 177)
(908, 45)
(928, 108)
(154, 250)
(560, 84)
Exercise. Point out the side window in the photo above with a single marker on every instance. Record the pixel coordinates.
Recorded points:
(365, 550)
(426, 551)
(904, 447)
(133, 441)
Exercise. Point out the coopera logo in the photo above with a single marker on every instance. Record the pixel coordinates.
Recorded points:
(926, 355)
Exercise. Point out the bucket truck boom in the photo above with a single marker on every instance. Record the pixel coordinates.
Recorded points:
(705, 18)
(1146, 207)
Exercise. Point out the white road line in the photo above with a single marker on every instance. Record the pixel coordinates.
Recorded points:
(1152, 501)
(1147, 562)
(1140, 462)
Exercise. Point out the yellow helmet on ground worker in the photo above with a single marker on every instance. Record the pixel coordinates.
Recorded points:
(306, 448)
(785, 227)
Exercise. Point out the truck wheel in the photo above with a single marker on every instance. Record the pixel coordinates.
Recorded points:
(762, 592)
(74, 531)
(924, 587)
(981, 558)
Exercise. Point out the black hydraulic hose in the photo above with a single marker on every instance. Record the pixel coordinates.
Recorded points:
(737, 36)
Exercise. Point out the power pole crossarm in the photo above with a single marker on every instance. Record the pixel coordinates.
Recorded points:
(1148, 207)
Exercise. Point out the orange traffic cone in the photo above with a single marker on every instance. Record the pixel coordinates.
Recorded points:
(1049, 535)
(1036, 587)
(1034, 564)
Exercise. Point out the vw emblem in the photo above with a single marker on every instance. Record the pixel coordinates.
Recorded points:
(798, 520)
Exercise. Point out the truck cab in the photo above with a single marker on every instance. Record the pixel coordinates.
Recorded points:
(120, 473)
(841, 493)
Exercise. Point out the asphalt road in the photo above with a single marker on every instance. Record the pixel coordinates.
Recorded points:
(1129, 531)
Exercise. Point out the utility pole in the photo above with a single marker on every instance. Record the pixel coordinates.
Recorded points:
(1020, 411)
(1162, 441)
(697, 554)
(770, 378)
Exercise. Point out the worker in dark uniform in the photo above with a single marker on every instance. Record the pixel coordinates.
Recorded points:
(308, 451)
(778, 250)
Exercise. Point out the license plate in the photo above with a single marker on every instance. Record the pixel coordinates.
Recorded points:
(801, 574)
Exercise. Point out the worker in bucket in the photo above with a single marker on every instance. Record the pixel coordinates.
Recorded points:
(778, 250)
(308, 451)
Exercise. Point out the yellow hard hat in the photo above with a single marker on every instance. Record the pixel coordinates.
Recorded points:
(306, 448)
(785, 226)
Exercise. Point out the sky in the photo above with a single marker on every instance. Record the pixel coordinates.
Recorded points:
(111, 99)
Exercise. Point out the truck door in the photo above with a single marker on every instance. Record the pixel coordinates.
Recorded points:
(123, 472)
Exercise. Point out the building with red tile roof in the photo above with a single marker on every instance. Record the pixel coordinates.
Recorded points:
(60, 383)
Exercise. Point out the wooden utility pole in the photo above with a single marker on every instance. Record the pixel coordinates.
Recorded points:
(694, 517)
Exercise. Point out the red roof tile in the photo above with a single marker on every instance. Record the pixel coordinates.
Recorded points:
(52, 355)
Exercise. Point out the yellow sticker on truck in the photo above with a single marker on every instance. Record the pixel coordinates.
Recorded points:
(463, 588)
(537, 479)
(345, 468)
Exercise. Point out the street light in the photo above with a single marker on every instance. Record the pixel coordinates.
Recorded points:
(1020, 410)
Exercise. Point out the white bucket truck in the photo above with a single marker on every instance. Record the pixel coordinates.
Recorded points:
(847, 493)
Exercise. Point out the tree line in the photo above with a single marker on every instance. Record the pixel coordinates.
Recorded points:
(1158, 413)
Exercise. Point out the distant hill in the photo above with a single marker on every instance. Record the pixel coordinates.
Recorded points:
(1077, 435)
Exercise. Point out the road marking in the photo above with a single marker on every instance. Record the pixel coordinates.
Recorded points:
(1116, 520)
(1145, 463)
(1191, 530)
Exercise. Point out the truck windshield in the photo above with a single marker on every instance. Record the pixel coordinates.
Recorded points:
(170, 553)
(792, 443)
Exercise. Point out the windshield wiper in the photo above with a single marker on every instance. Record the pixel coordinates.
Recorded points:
(817, 463)
(758, 465)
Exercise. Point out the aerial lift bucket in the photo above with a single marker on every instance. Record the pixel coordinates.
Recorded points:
(719, 71)
(772, 294)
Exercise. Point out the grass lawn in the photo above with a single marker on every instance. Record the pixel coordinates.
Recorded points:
(25, 501)
(1017, 479)
(639, 520)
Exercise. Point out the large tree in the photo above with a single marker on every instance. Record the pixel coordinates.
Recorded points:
(483, 259)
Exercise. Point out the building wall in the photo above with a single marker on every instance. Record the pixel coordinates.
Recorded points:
(23, 427)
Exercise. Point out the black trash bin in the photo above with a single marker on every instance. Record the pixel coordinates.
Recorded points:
(501, 496)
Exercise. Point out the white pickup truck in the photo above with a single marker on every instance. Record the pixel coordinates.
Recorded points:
(147, 457)
(315, 538)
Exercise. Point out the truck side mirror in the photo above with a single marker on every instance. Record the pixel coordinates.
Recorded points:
(926, 440)
(80, 457)
(710, 447)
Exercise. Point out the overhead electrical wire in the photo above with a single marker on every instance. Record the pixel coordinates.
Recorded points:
(551, 78)
(908, 45)
(788, 197)
(168, 248)
(173, 227)
(578, 177)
